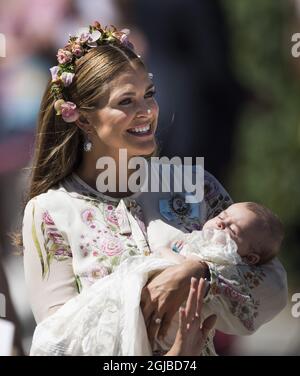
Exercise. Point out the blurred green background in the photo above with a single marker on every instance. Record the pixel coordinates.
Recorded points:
(266, 163)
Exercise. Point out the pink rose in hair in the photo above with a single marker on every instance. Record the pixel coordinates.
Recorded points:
(69, 112)
(64, 56)
(77, 50)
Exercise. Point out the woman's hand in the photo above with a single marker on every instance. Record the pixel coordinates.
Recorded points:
(191, 335)
(164, 294)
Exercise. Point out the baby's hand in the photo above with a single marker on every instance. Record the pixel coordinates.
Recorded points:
(191, 335)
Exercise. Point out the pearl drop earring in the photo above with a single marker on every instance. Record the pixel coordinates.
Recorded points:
(149, 111)
(87, 146)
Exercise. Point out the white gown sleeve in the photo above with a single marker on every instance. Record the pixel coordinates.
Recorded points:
(48, 266)
(243, 297)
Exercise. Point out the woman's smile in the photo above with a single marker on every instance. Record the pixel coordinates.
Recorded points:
(142, 130)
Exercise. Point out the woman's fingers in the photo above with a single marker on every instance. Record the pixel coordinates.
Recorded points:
(182, 320)
(191, 303)
(200, 296)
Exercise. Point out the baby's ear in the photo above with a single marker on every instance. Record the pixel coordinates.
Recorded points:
(252, 259)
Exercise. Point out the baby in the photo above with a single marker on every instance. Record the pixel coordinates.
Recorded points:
(244, 232)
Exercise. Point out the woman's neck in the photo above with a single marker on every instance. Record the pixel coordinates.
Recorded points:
(88, 172)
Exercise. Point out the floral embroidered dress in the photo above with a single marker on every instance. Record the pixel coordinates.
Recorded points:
(76, 238)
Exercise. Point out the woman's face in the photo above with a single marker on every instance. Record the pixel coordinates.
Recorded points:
(129, 117)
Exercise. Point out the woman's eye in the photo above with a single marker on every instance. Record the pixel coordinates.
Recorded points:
(151, 93)
(125, 102)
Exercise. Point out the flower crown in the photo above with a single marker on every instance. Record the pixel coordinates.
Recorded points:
(77, 46)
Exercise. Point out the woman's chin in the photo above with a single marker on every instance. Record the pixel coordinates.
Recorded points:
(143, 150)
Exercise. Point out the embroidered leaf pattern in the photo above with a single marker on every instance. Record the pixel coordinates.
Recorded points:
(37, 244)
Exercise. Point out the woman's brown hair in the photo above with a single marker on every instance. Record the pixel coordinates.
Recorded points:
(59, 145)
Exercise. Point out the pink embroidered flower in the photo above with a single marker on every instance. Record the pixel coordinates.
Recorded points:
(67, 78)
(55, 236)
(47, 219)
(95, 273)
(69, 112)
(111, 246)
(84, 251)
(88, 216)
(111, 216)
(64, 56)
(63, 252)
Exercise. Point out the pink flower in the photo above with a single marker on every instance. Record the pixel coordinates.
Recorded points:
(63, 252)
(69, 112)
(47, 219)
(64, 56)
(54, 73)
(112, 217)
(94, 36)
(125, 41)
(95, 272)
(55, 236)
(83, 35)
(77, 50)
(88, 216)
(111, 246)
(67, 78)
(125, 31)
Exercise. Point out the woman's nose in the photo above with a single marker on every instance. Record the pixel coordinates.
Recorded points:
(143, 111)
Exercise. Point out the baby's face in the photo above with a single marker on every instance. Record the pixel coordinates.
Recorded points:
(240, 223)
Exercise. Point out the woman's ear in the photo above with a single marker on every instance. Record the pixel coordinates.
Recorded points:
(252, 259)
(83, 123)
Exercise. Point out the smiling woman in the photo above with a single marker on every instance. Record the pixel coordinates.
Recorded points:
(100, 77)
(95, 284)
